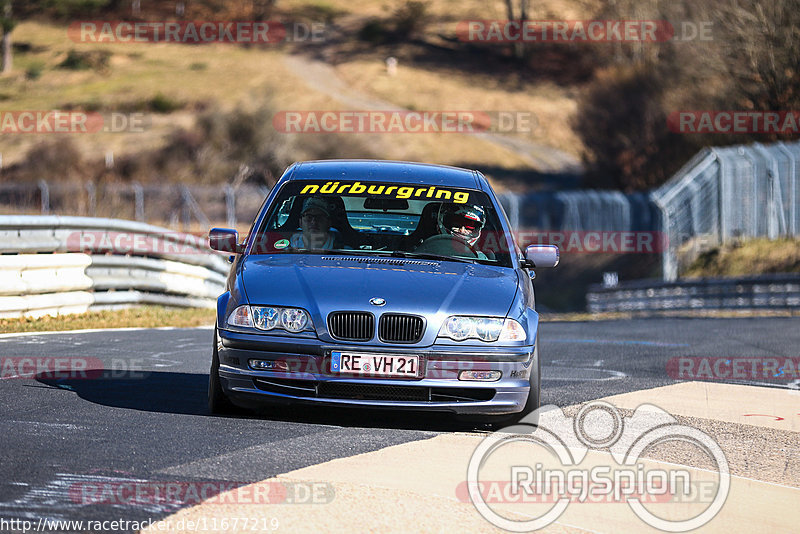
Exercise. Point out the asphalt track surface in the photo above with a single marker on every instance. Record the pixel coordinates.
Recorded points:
(145, 420)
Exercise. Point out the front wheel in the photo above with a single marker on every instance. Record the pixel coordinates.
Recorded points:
(531, 405)
(218, 402)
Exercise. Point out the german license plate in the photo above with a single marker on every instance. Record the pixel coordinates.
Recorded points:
(366, 364)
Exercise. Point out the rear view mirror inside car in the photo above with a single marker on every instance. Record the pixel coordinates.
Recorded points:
(385, 204)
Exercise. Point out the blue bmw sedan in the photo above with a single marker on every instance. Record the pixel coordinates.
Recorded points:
(380, 284)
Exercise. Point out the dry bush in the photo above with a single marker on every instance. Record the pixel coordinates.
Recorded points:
(749, 63)
(759, 48)
(241, 143)
(406, 22)
(57, 159)
(623, 125)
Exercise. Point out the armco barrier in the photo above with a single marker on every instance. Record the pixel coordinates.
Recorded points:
(52, 265)
(776, 291)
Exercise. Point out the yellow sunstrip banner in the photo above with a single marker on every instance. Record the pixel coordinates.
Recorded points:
(386, 190)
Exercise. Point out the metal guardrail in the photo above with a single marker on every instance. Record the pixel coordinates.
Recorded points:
(52, 265)
(776, 291)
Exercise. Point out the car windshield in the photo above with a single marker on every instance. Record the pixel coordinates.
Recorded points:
(391, 219)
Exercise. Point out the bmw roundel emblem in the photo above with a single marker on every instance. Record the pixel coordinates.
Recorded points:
(377, 301)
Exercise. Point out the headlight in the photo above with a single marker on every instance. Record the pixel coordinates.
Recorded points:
(490, 329)
(269, 318)
(294, 320)
(266, 318)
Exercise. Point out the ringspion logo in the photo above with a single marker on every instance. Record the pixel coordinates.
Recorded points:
(597, 456)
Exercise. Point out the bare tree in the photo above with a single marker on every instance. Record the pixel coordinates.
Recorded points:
(518, 13)
(760, 49)
(7, 23)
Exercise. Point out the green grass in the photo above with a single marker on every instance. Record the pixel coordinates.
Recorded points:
(758, 256)
(144, 317)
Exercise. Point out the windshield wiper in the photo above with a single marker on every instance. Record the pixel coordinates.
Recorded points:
(427, 256)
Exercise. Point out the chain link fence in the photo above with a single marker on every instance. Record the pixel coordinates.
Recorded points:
(582, 210)
(729, 193)
(722, 194)
(181, 207)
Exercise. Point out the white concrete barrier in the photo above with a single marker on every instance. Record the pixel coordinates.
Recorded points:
(52, 265)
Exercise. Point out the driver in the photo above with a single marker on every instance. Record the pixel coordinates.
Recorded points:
(462, 222)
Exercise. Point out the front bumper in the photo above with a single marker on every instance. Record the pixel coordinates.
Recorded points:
(309, 380)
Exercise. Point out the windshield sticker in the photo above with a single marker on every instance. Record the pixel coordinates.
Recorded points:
(386, 191)
(280, 244)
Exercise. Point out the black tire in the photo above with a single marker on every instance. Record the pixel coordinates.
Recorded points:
(534, 394)
(218, 402)
(532, 404)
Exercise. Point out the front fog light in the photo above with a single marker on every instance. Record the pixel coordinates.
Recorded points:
(269, 365)
(480, 376)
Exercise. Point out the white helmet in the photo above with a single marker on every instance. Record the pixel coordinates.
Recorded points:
(462, 222)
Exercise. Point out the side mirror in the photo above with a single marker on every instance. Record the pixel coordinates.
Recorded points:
(224, 240)
(542, 255)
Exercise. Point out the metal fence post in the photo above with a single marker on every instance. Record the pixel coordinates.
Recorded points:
(230, 205)
(669, 269)
(45, 196)
(138, 198)
(91, 197)
(791, 227)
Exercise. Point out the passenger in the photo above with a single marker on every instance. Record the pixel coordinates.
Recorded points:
(315, 223)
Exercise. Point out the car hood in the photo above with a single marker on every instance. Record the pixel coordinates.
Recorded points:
(322, 284)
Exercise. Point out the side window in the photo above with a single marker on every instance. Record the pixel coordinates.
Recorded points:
(283, 213)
